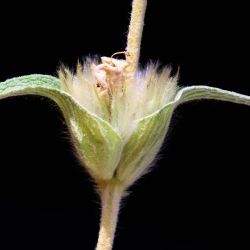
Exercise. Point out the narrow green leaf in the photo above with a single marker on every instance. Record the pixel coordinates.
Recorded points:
(203, 92)
(97, 144)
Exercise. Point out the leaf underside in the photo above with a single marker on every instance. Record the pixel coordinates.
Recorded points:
(204, 92)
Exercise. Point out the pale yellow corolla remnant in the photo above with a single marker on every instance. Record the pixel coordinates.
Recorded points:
(109, 73)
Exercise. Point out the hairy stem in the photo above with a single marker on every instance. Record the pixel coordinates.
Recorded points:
(111, 195)
(111, 192)
(135, 34)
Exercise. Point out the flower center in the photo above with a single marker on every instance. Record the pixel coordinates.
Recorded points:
(110, 74)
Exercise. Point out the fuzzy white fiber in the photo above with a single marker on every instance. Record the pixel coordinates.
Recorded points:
(124, 102)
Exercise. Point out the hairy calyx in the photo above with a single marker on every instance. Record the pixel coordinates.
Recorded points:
(110, 91)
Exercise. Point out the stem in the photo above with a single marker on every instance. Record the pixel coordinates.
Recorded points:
(135, 34)
(111, 195)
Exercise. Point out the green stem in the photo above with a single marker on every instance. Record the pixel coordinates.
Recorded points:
(111, 195)
(135, 34)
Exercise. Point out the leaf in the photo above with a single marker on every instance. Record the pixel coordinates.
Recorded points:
(142, 147)
(147, 138)
(97, 144)
(203, 92)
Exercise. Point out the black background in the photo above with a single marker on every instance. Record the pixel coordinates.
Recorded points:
(196, 193)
